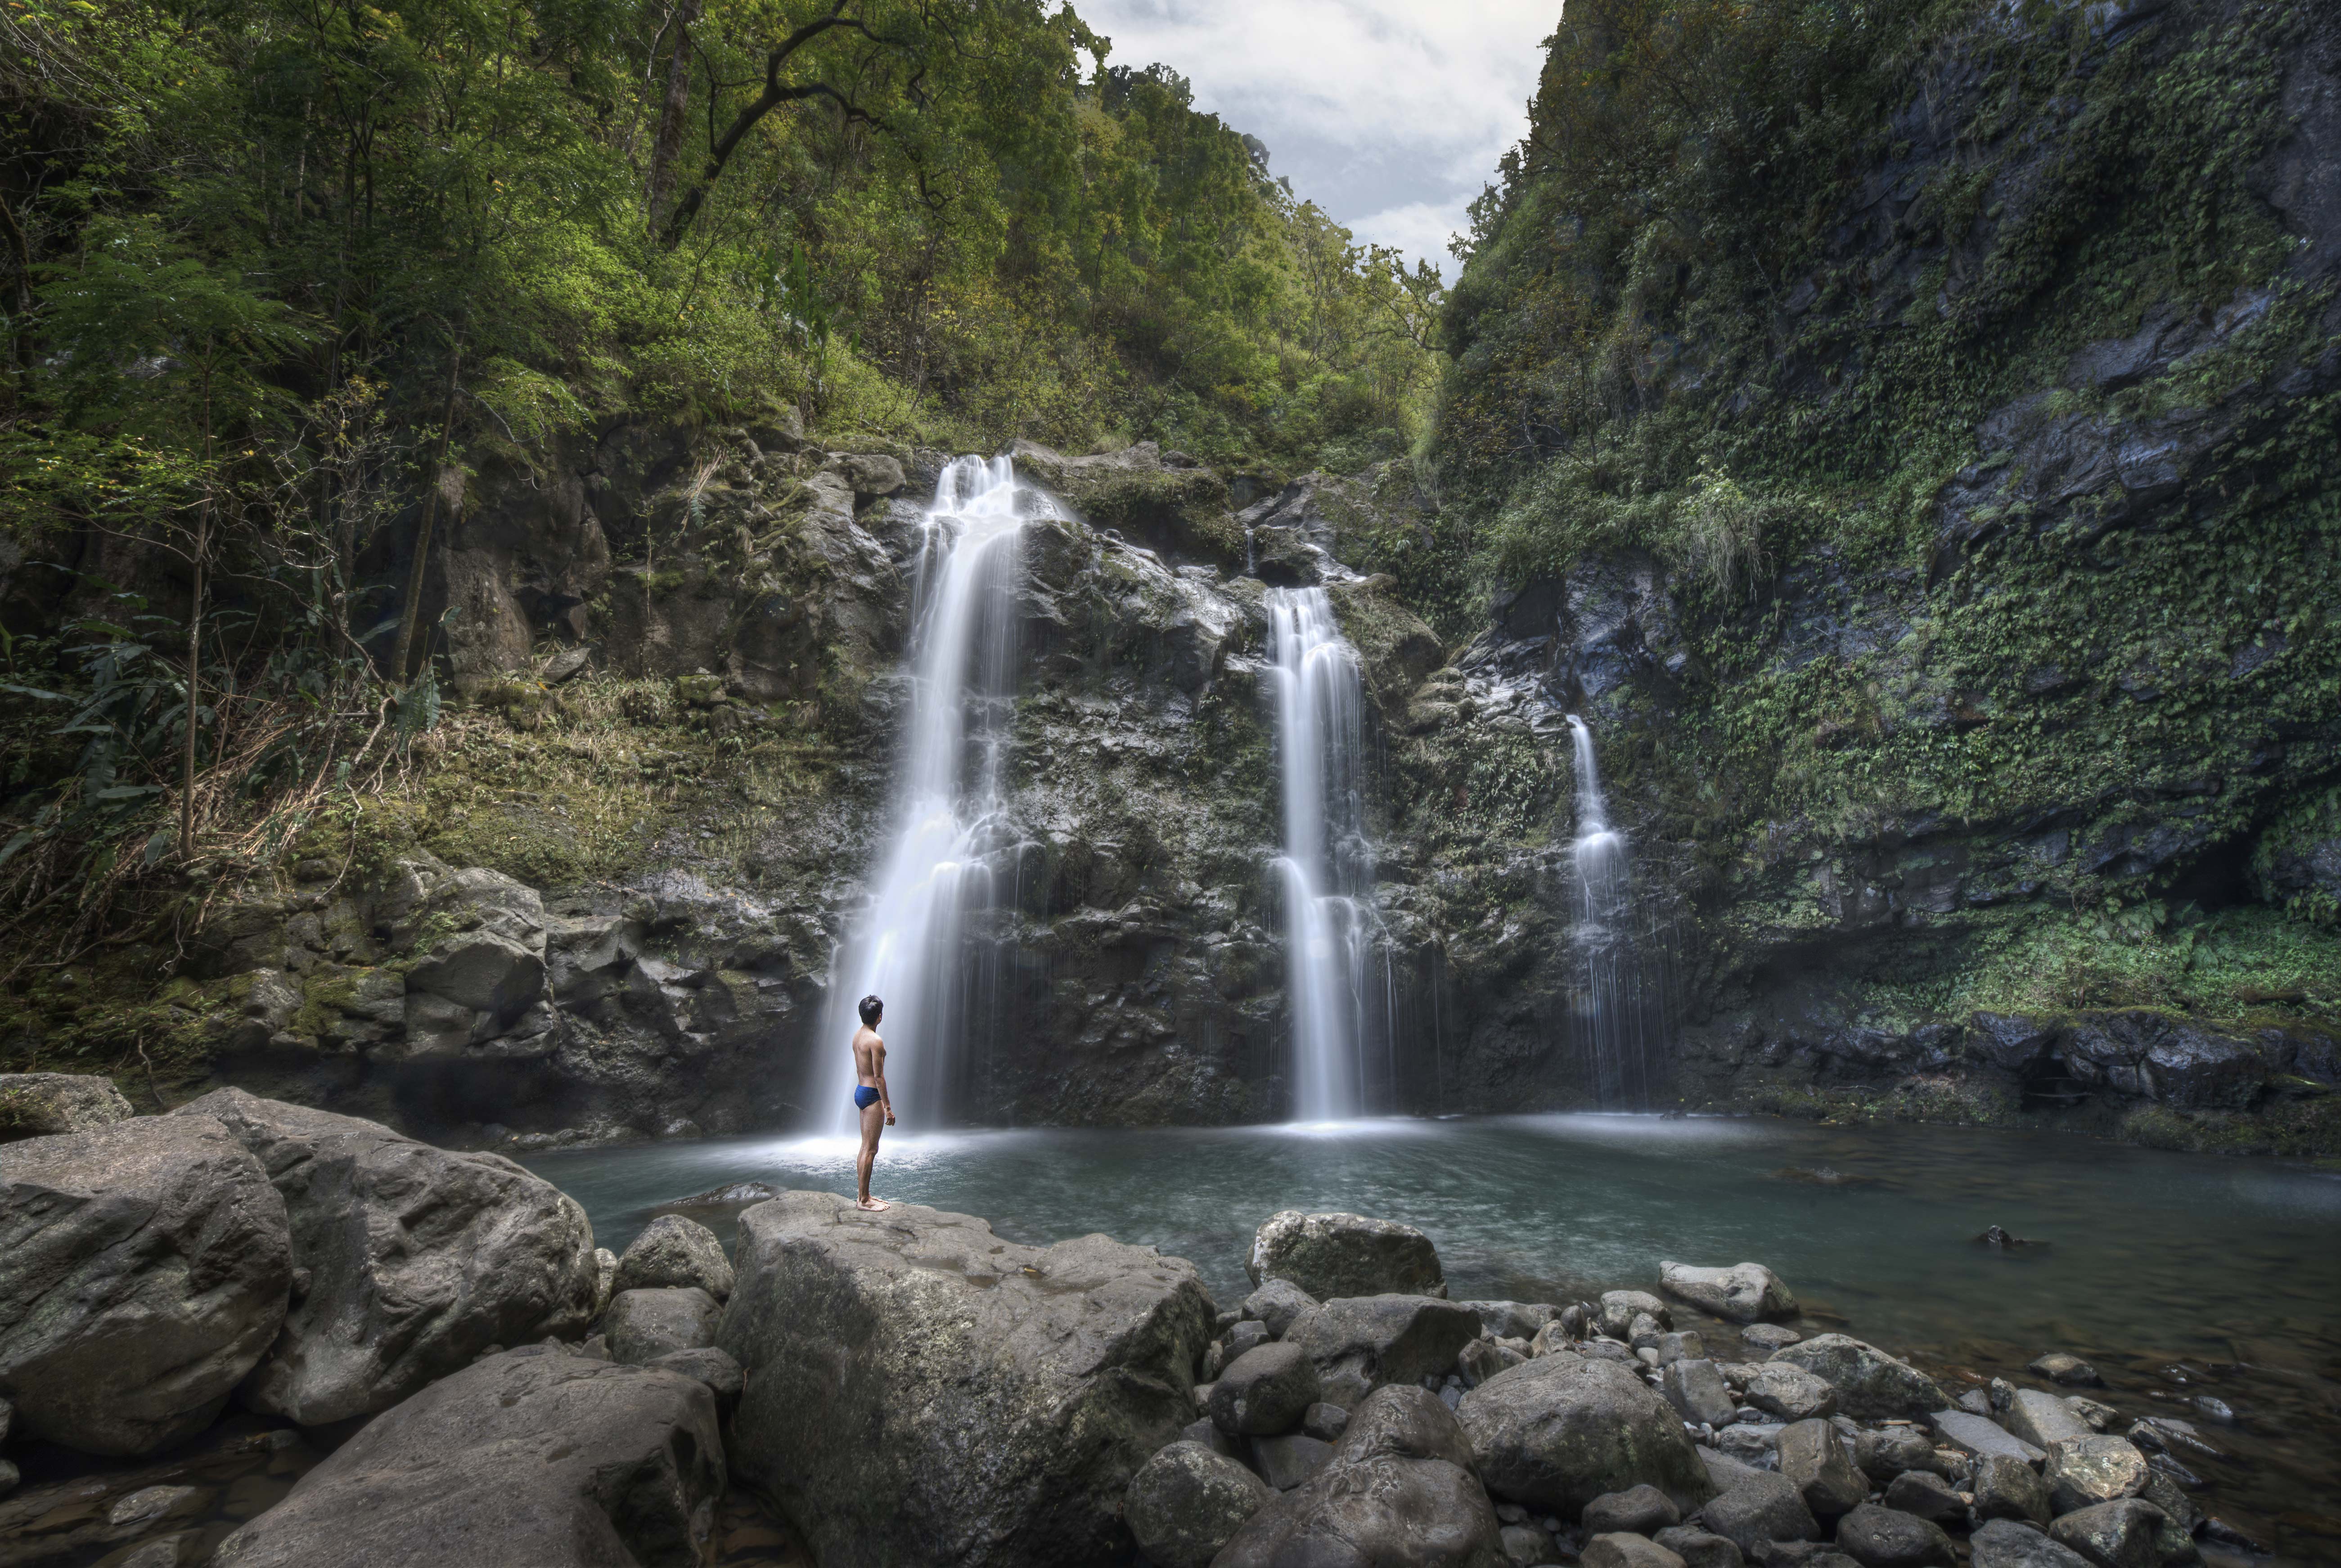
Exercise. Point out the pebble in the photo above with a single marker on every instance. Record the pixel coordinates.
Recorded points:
(2211, 1407)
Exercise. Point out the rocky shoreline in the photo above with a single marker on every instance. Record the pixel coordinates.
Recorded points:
(908, 1387)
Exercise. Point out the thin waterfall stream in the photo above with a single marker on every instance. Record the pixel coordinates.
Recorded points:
(1327, 870)
(910, 946)
(1616, 1012)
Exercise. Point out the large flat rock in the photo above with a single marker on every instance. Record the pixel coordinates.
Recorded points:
(533, 1457)
(921, 1391)
(144, 1269)
(415, 1259)
(1332, 1255)
(41, 1105)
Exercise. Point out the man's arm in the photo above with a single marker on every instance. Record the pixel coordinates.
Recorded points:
(878, 1071)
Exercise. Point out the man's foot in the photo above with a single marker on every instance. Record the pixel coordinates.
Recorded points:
(873, 1204)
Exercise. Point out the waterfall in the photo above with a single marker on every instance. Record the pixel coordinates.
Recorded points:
(1327, 870)
(1616, 1013)
(909, 945)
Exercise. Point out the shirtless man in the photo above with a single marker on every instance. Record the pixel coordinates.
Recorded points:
(870, 1098)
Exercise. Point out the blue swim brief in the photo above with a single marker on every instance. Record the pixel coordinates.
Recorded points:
(864, 1097)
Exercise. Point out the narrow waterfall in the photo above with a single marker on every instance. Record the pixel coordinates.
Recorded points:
(1617, 1015)
(910, 946)
(1327, 870)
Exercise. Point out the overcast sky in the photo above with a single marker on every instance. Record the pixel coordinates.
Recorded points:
(1388, 113)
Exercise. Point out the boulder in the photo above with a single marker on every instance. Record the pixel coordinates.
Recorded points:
(2119, 1534)
(1755, 1443)
(1878, 1537)
(1888, 1452)
(529, 1456)
(45, 1105)
(1814, 1461)
(1699, 1548)
(1620, 1308)
(2083, 1471)
(2004, 1543)
(1870, 1385)
(1361, 1343)
(1398, 1492)
(643, 1324)
(1928, 1496)
(417, 1259)
(606, 1278)
(1326, 1422)
(1525, 1545)
(919, 1390)
(1344, 1254)
(1265, 1390)
(1762, 1508)
(1513, 1319)
(674, 1252)
(1556, 1431)
(2005, 1487)
(1624, 1551)
(1483, 1358)
(1979, 1435)
(1698, 1392)
(1287, 1460)
(709, 1365)
(1723, 1472)
(1791, 1393)
(144, 1267)
(2041, 1418)
(1187, 1503)
(1249, 1334)
(1767, 1338)
(2063, 1366)
(1743, 1292)
(1275, 1304)
(1637, 1511)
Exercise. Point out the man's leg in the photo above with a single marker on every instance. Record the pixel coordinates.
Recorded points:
(873, 1121)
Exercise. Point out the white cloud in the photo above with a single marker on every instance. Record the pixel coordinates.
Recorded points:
(1389, 114)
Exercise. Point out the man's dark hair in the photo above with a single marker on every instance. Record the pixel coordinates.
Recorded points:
(871, 1008)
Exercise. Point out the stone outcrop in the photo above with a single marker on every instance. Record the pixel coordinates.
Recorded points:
(41, 1104)
(1332, 1255)
(532, 1457)
(144, 1271)
(920, 1389)
(409, 1260)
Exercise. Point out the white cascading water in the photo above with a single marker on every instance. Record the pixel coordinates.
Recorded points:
(1327, 869)
(1615, 1014)
(909, 945)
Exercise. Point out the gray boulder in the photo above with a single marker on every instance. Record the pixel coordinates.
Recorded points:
(1264, 1391)
(2119, 1534)
(1698, 1392)
(1888, 1452)
(531, 1456)
(144, 1271)
(1699, 1548)
(2005, 1487)
(1878, 1537)
(642, 1325)
(1743, 1292)
(1979, 1435)
(1187, 1503)
(2041, 1418)
(416, 1259)
(1870, 1385)
(1344, 1254)
(2004, 1543)
(1556, 1431)
(1814, 1461)
(1620, 1308)
(1929, 1497)
(1762, 1508)
(1398, 1492)
(2063, 1366)
(1513, 1319)
(921, 1391)
(2083, 1471)
(1642, 1510)
(45, 1105)
(1626, 1551)
(709, 1365)
(1361, 1343)
(673, 1252)
(1286, 1460)
(1791, 1393)
(1275, 1304)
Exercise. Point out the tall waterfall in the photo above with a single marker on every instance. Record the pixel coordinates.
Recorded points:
(909, 946)
(1327, 869)
(1618, 1013)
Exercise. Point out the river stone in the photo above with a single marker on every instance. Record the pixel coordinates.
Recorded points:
(2004, 1543)
(2093, 1413)
(1187, 1503)
(1265, 1390)
(1699, 1548)
(1762, 1508)
(531, 1456)
(1642, 1510)
(1361, 1343)
(1928, 1496)
(1325, 1423)
(45, 1105)
(2117, 1535)
(144, 1271)
(606, 1278)
(643, 1324)
(1698, 1392)
(1756, 1444)
(919, 1390)
(1723, 1472)
(1284, 1461)
(1513, 1319)
(1878, 1537)
(1620, 1308)
(2083, 1471)
(673, 1252)
(1791, 1393)
(2041, 1418)
(2005, 1487)
(1767, 1338)
(1525, 1545)
(1398, 1492)
(417, 1258)
(1981, 1435)
(1556, 1433)
(1344, 1254)
(2063, 1366)
(1275, 1304)
(1870, 1385)
(1743, 1292)
(1888, 1452)
(1815, 1463)
(1624, 1551)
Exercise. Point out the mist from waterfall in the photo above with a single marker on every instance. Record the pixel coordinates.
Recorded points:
(1335, 993)
(910, 944)
(1618, 1014)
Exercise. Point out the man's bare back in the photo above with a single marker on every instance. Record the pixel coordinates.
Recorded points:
(871, 1100)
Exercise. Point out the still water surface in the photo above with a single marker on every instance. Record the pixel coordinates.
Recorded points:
(2174, 1274)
